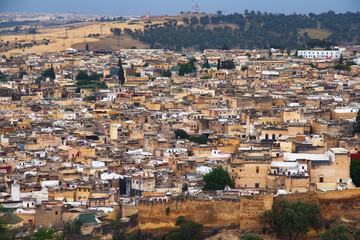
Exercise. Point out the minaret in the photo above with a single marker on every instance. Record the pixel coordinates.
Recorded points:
(147, 15)
(248, 127)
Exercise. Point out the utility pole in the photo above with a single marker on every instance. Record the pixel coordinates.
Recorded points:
(101, 30)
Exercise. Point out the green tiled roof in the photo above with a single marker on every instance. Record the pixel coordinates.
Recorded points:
(10, 218)
(86, 218)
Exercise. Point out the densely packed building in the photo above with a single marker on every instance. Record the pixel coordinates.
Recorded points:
(90, 149)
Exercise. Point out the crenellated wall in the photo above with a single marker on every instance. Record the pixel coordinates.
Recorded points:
(243, 213)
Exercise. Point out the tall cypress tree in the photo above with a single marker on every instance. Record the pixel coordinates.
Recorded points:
(206, 64)
(218, 64)
(357, 123)
(121, 73)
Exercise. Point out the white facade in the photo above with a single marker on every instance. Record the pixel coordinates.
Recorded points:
(15, 192)
(319, 54)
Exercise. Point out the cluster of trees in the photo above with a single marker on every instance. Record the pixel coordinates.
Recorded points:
(116, 31)
(113, 19)
(2, 76)
(292, 220)
(217, 179)
(250, 30)
(228, 64)
(70, 230)
(340, 232)
(166, 73)
(181, 134)
(50, 73)
(94, 35)
(341, 65)
(187, 230)
(84, 80)
(188, 67)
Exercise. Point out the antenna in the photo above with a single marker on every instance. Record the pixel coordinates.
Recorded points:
(66, 35)
(193, 6)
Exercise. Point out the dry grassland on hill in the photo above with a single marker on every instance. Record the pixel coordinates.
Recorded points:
(77, 36)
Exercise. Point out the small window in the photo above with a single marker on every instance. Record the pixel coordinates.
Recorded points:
(256, 185)
(56, 212)
(257, 169)
(321, 179)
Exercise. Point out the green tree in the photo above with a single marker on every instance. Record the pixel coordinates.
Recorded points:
(179, 133)
(22, 74)
(49, 73)
(5, 233)
(206, 64)
(44, 233)
(355, 171)
(217, 179)
(357, 123)
(95, 76)
(228, 64)
(199, 139)
(341, 59)
(87, 47)
(218, 64)
(121, 72)
(192, 63)
(338, 232)
(184, 187)
(251, 236)
(72, 229)
(166, 73)
(82, 75)
(292, 220)
(186, 20)
(118, 231)
(187, 231)
(180, 220)
(356, 234)
(185, 68)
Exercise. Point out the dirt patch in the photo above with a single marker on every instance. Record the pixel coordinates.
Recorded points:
(111, 42)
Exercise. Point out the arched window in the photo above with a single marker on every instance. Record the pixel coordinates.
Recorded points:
(273, 136)
(266, 136)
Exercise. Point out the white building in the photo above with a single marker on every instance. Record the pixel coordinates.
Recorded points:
(319, 54)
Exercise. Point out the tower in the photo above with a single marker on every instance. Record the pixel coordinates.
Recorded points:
(113, 131)
(197, 9)
(248, 127)
(15, 192)
(147, 15)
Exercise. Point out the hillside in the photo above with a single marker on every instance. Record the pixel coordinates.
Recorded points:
(53, 38)
(251, 30)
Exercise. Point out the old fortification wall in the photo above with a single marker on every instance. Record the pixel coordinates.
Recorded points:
(342, 206)
(243, 213)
